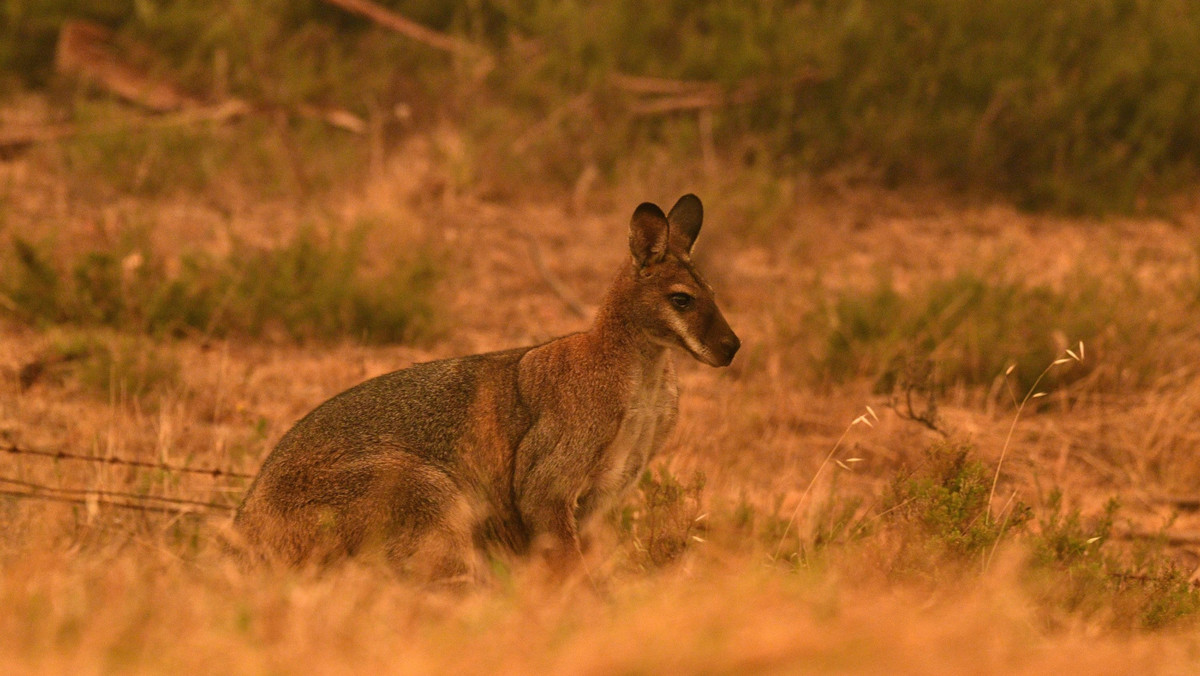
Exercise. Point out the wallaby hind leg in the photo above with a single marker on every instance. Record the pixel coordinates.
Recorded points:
(430, 526)
(444, 553)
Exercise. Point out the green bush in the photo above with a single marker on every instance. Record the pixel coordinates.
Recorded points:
(945, 503)
(114, 367)
(938, 513)
(1078, 105)
(308, 288)
(972, 328)
(1074, 570)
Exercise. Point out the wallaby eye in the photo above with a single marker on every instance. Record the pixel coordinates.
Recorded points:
(681, 300)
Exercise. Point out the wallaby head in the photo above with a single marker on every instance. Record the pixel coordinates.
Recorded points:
(666, 296)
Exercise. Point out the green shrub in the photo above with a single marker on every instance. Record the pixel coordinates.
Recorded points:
(310, 287)
(1079, 105)
(937, 515)
(972, 328)
(1074, 569)
(944, 505)
(280, 157)
(113, 367)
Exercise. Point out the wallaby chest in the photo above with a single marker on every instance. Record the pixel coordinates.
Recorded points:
(649, 414)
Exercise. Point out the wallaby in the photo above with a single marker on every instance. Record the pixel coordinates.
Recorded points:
(435, 464)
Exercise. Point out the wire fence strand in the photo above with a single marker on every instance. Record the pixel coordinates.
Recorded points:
(99, 501)
(214, 472)
(84, 493)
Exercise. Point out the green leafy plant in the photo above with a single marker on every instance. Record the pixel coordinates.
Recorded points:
(945, 505)
(1074, 568)
(308, 288)
(972, 328)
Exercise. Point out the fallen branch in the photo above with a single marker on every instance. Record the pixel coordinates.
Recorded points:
(660, 86)
(334, 117)
(86, 51)
(24, 135)
(665, 95)
(1186, 502)
(673, 104)
(228, 111)
(407, 27)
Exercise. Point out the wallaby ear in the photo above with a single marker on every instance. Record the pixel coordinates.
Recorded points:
(685, 219)
(648, 232)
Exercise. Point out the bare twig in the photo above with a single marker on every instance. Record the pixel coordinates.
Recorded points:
(63, 455)
(556, 285)
(918, 376)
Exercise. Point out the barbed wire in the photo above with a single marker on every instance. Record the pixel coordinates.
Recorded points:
(99, 501)
(64, 455)
(85, 493)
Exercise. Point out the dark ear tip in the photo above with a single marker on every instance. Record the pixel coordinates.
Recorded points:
(687, 209)
(648, 209)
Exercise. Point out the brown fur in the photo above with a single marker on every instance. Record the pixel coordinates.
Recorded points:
(516, 449)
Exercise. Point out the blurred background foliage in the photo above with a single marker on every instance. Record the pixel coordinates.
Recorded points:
(1077, 106)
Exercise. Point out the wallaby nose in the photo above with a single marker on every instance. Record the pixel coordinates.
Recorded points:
(729, 346)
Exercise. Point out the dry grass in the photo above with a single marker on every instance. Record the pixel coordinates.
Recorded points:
(90, 589)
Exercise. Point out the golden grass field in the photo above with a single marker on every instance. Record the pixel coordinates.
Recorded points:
(89, 588)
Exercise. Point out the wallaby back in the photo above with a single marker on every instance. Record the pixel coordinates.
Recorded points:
(433, 464)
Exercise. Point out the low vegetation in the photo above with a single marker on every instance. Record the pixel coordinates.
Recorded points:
(309, 287)
(940, 513)
(1081, 105)
(114, 367)
(936, 524)
(970, 328)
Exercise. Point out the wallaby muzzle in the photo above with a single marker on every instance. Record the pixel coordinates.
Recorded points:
(721, 341)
